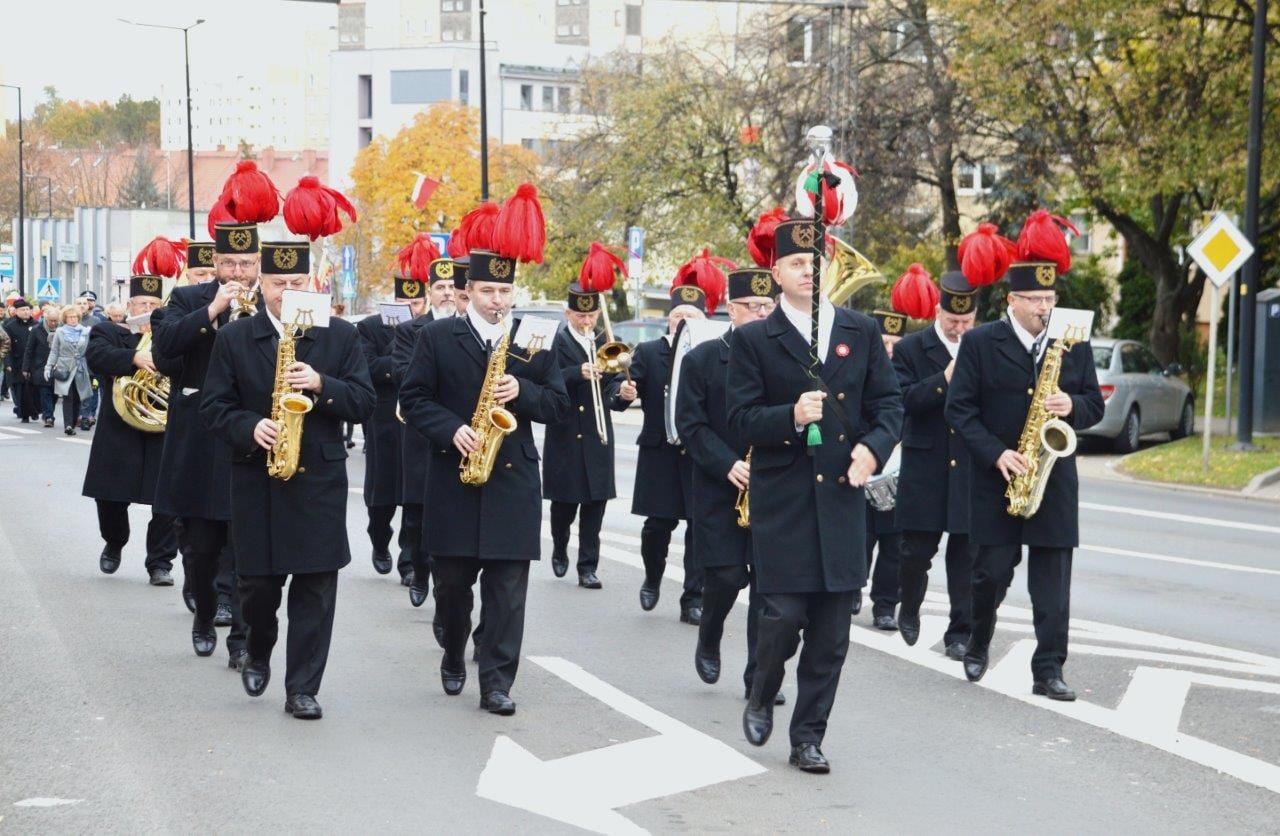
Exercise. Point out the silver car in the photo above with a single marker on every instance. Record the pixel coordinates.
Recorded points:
(1141, 395)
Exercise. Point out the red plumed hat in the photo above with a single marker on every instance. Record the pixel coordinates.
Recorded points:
(161, 257)
(985, 255)
(915, 294)
(521, 232)
(249, 195)
(707, 272)
(760, 239)
(415, 259)
(311, 209)
(477, 227)
(600, 269)
(219, 214)
(457, 244)
(1042, 239)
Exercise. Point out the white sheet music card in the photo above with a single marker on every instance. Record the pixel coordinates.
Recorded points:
(313, 307)
(393, 314)
(1080, 321)
(535, 333)
(135, 323)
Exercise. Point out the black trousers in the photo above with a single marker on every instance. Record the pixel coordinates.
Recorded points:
(562, 516)
(883, 565)
(824, 619)
(205, 545)
(23, 394)
(413, 557)
(918, 550)
(720, 588)
(162, 539)
(70, 407)
(1049, 585)
(655, 540)
(379, 529)
(503, 587)
(312, 599)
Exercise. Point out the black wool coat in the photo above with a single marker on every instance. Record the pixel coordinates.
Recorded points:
(808, 526)
(300, 525)
(35, 354)
(124, 463)
(415, 452)
(576, 466)
(383, 484)
(987, 403)
(664, 474)
(20, 331)
(501, 519)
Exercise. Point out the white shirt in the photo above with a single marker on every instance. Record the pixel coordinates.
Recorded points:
(587, 341)
(953, 348)
(445, 312)
(803, 322)
(1025, 337)
(489, 332)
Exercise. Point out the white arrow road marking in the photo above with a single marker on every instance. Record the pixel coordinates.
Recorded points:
(46, 802)
(585, 789)
(21, 430)
(1187, 518)
(69, 440)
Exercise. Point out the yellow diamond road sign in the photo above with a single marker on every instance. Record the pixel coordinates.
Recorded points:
(1220, 249)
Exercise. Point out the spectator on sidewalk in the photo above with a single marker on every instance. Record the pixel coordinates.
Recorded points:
(37, 356)
(67, 370)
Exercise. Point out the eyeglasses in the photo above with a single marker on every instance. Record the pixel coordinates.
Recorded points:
(240, 263)
(754, 307)
(1047, 301)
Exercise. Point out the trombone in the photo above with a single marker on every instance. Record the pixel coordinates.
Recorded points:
(597, 396)
(611, 358)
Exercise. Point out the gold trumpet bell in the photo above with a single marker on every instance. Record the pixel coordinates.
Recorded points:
(846, 272)
(607, 356)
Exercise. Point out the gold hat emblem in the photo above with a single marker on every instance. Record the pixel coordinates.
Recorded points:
(586, 304)
(688, 293)
(285, 258)
(499, 268)
(892, 324)
(444, 270)
(1045, 275)
(761, 285)
(803, 235)
(960, 304)
(204, 256)
(410, 289)
(151, 284)
(240, 239)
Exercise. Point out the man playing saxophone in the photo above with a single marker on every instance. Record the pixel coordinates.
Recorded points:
(291, 529)
(994, 384)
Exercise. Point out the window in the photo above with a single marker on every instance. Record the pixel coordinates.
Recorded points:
(1148, 361)
(464, 85)
(562, 30)
(420, 86)
(633, 20)
(807, 40)
(364, 97)
(527, 144)
(967, 177)
(563, 99)
(1083, 242)
(548, 98)
(364, 136)
(976, 178)
(526, 97)
(1131, 359)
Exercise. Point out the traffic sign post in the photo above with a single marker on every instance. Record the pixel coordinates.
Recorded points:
(49, 289)
(6, 265)
(635, 264)
(348, 271)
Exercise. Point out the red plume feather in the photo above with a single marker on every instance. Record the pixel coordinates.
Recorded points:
(249, 195)
(521, 232)
(415, 259)
(915, 294)
(458, 244)
(219, 214)
(600, 269)
(161, 257)
(985, 255)
(760, 241)
(1042, 239)
(707, 272)
(477, 227)
(311, 209)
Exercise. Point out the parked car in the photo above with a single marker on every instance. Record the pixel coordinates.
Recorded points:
(1142, 396)
(636, 331)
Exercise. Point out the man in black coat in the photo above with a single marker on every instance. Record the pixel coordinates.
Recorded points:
(291, 529)
(933, 480)
(493, 530)
(124, 462)
(991, 393)
(808, 510)
(577, 463)
(18, 327)
(31, 365)
(664, 475)
(195, 469)
(721, 473)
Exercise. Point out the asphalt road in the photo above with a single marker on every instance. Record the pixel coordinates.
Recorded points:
(108, 722)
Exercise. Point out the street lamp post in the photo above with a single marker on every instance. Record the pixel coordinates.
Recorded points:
(191, 158)
(22, 200)
(484, 115)
(1250, 274)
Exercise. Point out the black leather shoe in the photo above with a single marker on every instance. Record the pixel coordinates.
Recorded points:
(161, 577)
(957, 650)
(910, 630)
(417, 594)
(238, 659)
(588, 580)
(807, 757)
(497, 702)
(222, 618)
(778, 698)
(452, 677)
(706, 662)
(188, 598)
(691, 615)
(1054, 689)
(757, 723)
(382, 562)
(649, 592)
(885, 622)
(254, 676)
(407, 578)
(203, 638)
(560, 563)
(857, 602)
(975, 667)
(437, 628)
(303, 707)
(109, 560)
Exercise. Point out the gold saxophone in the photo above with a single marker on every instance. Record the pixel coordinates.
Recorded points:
(1045, 439)
(142, 398)
(288, 407)
(491, 422)
(743, 505)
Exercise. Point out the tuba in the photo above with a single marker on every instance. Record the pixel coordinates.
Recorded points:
(288, 407)
(743, 505)
(847, 271)
(1044, 439)
(142, 398)
(491, 422)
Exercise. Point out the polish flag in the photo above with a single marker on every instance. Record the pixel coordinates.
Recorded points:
(423, 188)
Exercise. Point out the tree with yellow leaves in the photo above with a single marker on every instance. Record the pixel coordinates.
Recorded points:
(442, 143)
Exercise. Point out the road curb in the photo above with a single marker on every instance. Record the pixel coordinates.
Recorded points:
(1262, 480)
(1249, 492)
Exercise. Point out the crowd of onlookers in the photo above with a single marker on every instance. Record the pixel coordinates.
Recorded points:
(43, 350)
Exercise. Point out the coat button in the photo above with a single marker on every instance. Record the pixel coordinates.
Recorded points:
(302, 470)
(953, 462)
(579, 436)
(1031, 391)
(786, 443)
(951, 430)
(840, 396)
(388, 374)
(204, 330)
(581, 408)
(682, 451)
(819, 477)
(508, 465)
(939, 390)
(840, 437)
(841, 480)
(329, 402)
